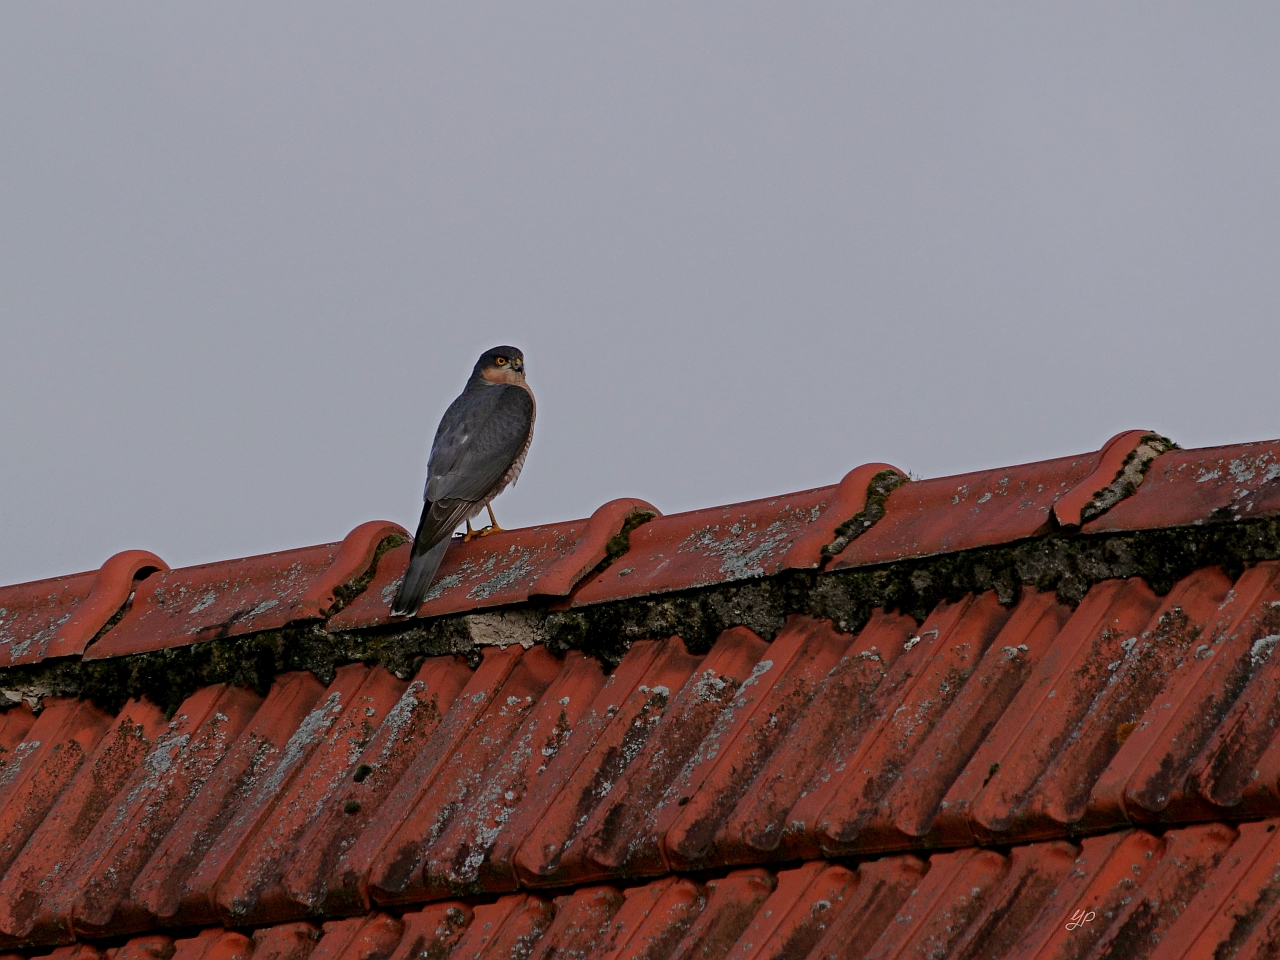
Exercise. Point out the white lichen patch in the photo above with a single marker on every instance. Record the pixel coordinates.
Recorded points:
(1261, 649)
(208, 600)
(743, 548)
(438, 587)
(514, 572)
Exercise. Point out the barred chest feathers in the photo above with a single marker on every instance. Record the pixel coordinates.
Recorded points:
(513, 471)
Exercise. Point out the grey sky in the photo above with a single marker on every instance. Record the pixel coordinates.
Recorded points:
(249, 253)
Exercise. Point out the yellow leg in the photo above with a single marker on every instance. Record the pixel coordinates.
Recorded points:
(493, 524)
(469, 534)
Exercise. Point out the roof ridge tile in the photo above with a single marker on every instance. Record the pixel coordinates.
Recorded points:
(61, 616)
(1122, 465)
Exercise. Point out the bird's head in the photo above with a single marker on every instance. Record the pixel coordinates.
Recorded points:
(500, 365)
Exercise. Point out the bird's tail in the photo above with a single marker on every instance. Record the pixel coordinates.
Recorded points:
(422, 570)
(423, 564)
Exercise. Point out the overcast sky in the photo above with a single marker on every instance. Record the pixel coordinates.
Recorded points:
(249, 252)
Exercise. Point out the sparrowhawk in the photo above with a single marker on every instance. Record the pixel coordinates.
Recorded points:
(479, 449)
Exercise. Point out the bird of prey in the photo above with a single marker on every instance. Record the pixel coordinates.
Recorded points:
(479, 449)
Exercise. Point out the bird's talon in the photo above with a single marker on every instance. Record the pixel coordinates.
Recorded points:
(492, 528)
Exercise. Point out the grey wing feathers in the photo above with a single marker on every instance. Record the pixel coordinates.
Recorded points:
(480, 436)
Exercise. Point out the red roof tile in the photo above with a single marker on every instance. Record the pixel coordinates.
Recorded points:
(318, 877)
(723, 544)
(235, 597)
(1185, 487)
(28, 913)
(1200, 891)
(1132, 450)
(988, 508)
(537, 770)
(168, 886)
(182, 758)
(287, 941)
(504, 568)
(796, 915)
(59, 617)
(41, 765)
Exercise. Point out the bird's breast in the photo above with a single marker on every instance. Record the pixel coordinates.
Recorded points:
(517, 464)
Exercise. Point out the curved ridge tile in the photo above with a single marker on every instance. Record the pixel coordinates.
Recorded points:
(949, 514)
(1122, 465)
(857, 505)
(61, 616)
(234, 597)
(608, 522)
(1193, 487)
(507, 567)
(355, 556)
(717, 545)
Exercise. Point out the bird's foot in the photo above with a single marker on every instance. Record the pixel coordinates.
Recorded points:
(470, 533)
(493, 523)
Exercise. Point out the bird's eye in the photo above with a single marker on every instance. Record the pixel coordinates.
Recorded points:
(500, 361)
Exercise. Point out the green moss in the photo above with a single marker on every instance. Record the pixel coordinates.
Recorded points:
(348, 591)
(878, 490)
(620, 542)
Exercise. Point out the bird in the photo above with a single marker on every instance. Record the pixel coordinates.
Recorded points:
(478, 451)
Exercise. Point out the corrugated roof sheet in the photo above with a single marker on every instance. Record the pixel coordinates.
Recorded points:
(972, 784)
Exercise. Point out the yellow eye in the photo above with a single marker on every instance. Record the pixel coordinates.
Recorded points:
(500, 361)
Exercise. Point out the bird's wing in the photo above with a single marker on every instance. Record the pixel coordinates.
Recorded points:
(479, 437)
(439, 519)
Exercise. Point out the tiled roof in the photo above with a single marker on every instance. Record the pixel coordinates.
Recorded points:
(1189, 892)
(960, 780)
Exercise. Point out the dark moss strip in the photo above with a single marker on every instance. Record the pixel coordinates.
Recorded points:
(878, 490)
(1066, 564)
(349, 591)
